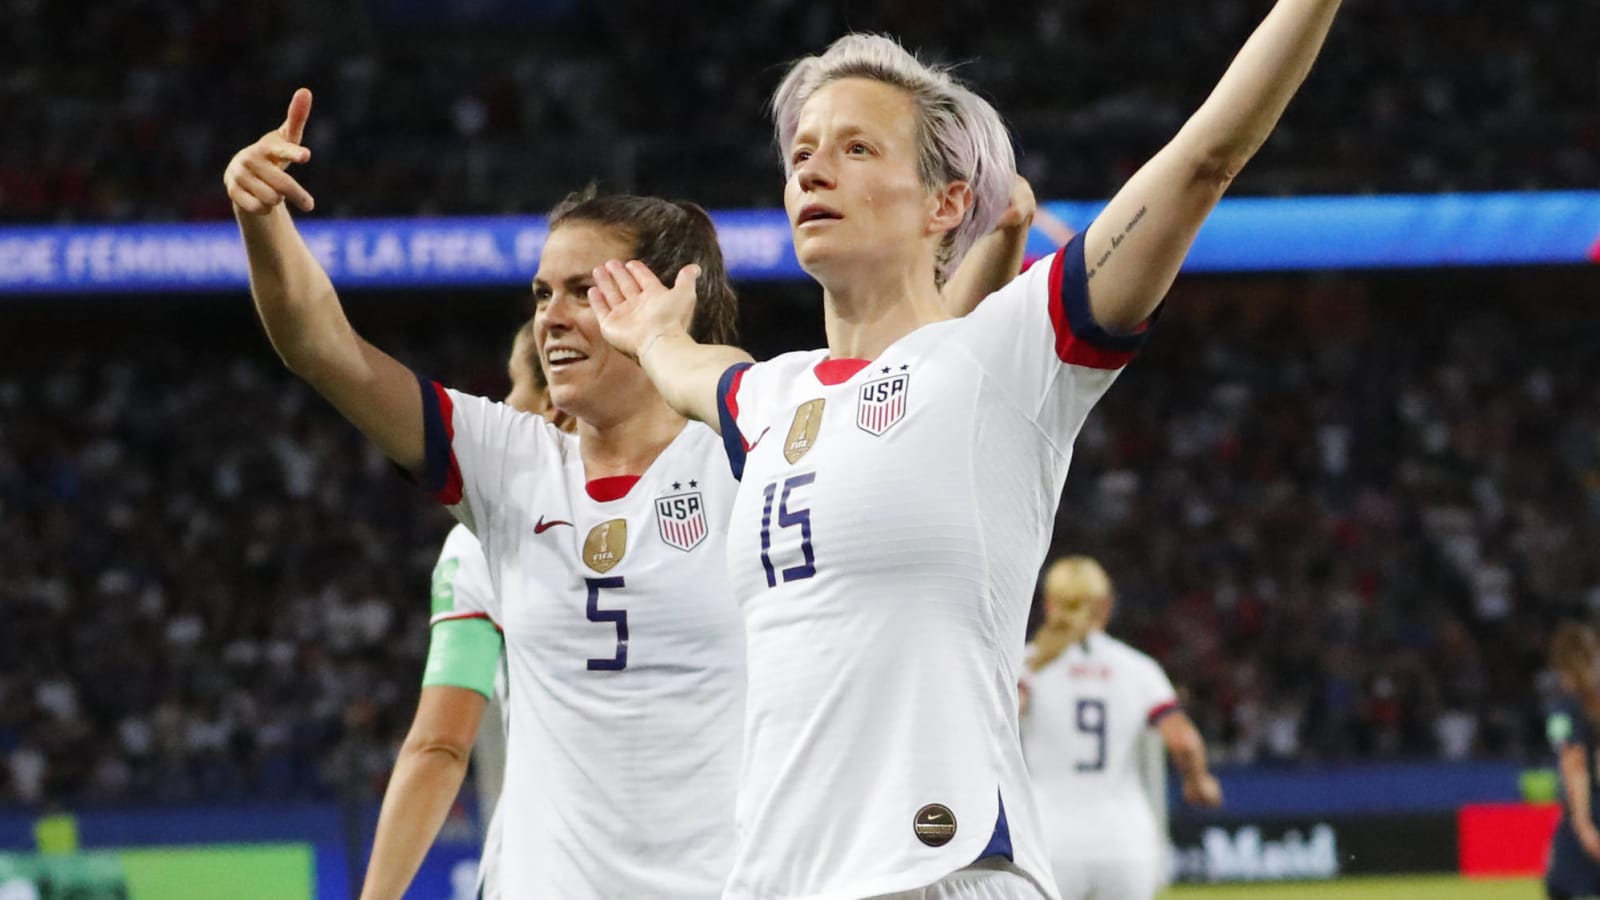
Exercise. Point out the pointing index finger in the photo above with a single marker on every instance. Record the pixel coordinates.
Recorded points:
(293, 128)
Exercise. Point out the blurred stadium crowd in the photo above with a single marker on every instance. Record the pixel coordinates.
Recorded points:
(503, 106)
(1344, 526)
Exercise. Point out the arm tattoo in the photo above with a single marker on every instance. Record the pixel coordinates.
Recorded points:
(1116, 241)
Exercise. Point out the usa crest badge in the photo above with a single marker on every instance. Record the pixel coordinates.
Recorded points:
(882, 403)
(803, 430)
(682, 520)
(605, 545)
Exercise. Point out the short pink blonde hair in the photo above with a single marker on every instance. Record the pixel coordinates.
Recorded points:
(960, 137)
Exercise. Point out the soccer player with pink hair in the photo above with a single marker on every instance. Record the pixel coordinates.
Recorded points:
(899, 486)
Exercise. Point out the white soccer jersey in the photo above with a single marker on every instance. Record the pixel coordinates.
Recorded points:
(1087, 710)
(624, 650)
(890, 522)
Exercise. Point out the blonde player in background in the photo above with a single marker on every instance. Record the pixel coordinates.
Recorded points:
(1088, 700)
(624, 649)
(898, 487)
(464, 679)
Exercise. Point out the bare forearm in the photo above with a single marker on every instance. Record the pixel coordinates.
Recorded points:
(293, 294)
(1189, 758)
(307, 326)
(421, 791)
(1250, 98)
(1137, 245)
(686, 373)
(1184, 745)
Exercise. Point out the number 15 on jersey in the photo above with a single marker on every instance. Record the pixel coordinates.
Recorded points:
(791, 516)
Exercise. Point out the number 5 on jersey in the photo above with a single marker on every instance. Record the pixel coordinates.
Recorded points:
(789, 517)
(617, 617)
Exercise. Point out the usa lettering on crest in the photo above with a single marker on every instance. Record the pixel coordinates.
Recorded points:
(682, 520)
(882, 403)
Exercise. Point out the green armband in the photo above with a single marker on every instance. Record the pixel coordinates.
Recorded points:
(464, 653)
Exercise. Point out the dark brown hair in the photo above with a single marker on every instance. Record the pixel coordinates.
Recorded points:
(1573, 652)
(666, 235)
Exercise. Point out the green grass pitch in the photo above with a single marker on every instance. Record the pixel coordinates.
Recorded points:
(1419, 887)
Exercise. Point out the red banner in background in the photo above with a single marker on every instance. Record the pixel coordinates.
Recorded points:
(1506, 839)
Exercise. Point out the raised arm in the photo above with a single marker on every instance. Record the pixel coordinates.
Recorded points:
(297, 302)
(997, 256)
(1136, 246)
(650, 322)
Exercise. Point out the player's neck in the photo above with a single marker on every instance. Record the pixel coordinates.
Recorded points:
(864, 315)
(630, 443)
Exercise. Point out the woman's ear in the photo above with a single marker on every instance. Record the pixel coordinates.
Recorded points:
(949, 207)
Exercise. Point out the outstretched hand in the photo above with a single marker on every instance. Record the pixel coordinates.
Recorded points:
(256, 178)
(634, 307)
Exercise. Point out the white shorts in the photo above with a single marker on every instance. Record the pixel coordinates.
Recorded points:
(987, 879)
(1130, 880)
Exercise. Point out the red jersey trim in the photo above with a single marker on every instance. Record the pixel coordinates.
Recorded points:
(612, 487)
(457, 617)
(1162, 710)
(733, 442)
(1080, 341)
(837, 371)
(450, 492)
(730, 398)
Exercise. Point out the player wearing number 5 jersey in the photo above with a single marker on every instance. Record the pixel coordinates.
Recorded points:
(624, 651)
(898, 488)
(1090, 698)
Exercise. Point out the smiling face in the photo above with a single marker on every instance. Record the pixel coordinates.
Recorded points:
(855, 196)
(587, 377)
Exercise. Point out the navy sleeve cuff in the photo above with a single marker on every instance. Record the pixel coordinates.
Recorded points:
(1079, 338)
(441, 476)
(728, 417)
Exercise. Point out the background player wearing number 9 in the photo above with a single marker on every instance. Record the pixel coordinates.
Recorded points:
(1089, 700)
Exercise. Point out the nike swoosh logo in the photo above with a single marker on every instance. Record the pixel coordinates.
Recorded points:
(758, 439)
(542, 526)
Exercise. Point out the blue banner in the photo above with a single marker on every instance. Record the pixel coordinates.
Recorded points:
(1243, 235)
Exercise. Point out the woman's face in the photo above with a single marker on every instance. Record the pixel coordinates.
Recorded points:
(854, 195)
(587, 377)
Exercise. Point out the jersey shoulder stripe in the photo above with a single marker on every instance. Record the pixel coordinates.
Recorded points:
(441, 471)
(1162, 710)
(1080, 341)
(733, 443)
(458, 616)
